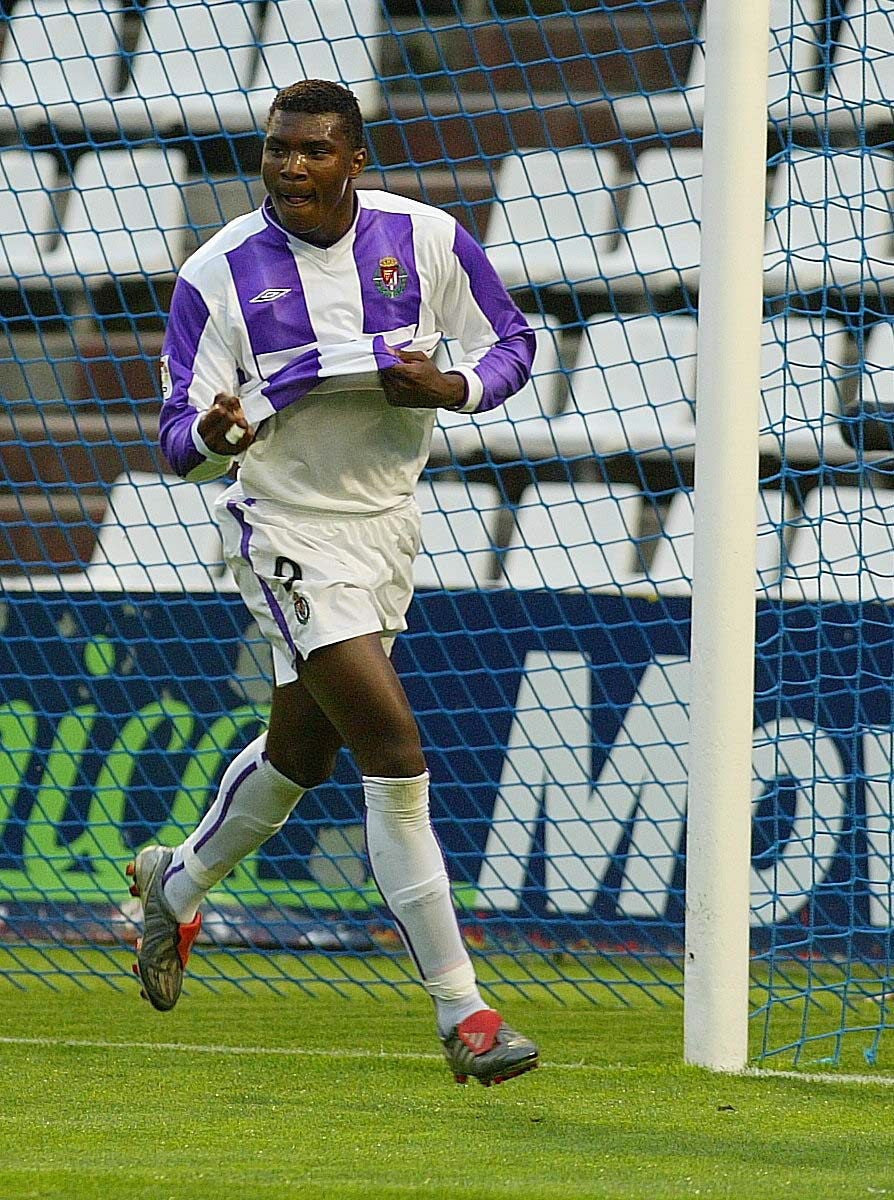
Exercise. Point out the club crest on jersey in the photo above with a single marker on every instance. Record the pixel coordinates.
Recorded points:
(269, 294)
(302, 607)
(391, 278)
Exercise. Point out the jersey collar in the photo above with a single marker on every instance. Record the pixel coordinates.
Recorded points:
(297, 243)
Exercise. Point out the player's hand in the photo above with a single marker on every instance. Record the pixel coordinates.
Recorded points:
(415, 382)
(224, 427)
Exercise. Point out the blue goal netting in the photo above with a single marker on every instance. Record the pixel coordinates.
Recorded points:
(547, 655)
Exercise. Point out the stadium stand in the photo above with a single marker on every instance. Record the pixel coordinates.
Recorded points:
(585, 536)
(620, 226)
(124, 217)
(792, 68)
(830, 220)
(57, 56)
(632, 387)
(188, 56)
(553, 216)
(27, 218)
(660, 239)
(670, 570)
(803, 363)
(314, 39)
(876, 384)
(843, 548)
(517, 430)
(459, 534)
(157, 535)
(861, 80)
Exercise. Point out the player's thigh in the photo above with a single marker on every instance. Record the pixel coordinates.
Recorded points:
(302, 743)
(359, 691)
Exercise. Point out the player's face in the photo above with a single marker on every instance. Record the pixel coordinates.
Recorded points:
(307, 166)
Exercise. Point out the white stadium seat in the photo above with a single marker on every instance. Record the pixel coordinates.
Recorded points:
(632, 387)
(803, 360)
(520, 428)
(830, 221)
(190, 56)
(125, 216)
(158, 535)
(670, 571)
(57, 54)
(660, 243)
(577, 536)
(877, 376)
(861, 80)
(312, 39)
(792, 67)
(844, 547)
(459, 525)
(27, 220)
(553, 216)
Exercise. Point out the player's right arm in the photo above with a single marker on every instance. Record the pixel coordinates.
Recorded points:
(202, 426)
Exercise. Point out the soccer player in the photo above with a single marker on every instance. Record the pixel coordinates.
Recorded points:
(299, 343)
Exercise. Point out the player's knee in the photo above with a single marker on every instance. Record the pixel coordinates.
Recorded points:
(391, 757)
(307, 768)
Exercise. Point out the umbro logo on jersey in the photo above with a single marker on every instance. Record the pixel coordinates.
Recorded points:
(269, 294)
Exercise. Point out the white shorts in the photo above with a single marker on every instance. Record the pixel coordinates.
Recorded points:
(311, 580)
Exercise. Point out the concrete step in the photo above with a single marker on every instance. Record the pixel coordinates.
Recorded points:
(58, 446)
(607, 52)
(48, 532)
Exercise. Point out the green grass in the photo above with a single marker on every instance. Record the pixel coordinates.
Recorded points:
(344, 1097)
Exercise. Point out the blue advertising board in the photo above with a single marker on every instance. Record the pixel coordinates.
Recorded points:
(555, 726)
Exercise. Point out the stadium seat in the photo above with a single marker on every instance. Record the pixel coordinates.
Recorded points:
(57, 54)
(27, 220)
(575, 536)
(843, 549)
(803, 360)
(518, 429)
(189, 58)
(660, 243)
(305, 39)
(670, 571)
(876, 384)
(632, 387)
(861, 80)
(125, 217)
(553, 216)
(793, 65)
(158, 535)
(830, 221)
(459, 525)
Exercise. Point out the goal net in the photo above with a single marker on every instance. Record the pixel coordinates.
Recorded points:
(548, 652)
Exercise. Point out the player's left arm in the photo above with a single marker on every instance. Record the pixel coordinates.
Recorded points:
(472, 305)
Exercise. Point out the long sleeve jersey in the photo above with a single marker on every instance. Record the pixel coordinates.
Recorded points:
(300, 334)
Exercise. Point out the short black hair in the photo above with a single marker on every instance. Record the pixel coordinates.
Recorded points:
(322, 96)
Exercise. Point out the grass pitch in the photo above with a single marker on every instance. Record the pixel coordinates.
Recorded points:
(251, 1093)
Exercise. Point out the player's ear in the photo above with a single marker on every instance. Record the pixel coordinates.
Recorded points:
(358, 161)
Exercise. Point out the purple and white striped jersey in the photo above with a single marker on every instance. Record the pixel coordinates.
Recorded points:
(300, 333)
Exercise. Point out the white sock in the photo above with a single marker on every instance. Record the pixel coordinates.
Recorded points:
(408, 868)
(253, 802)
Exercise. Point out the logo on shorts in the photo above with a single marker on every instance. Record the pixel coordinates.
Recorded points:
(269, 294)
(391, 278)
(302, 608)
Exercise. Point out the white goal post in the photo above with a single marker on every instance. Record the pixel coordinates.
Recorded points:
(726, 482)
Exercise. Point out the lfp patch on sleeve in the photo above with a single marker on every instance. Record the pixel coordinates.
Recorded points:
(164, 371)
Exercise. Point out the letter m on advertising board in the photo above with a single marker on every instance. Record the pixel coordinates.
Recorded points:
(631, 816)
